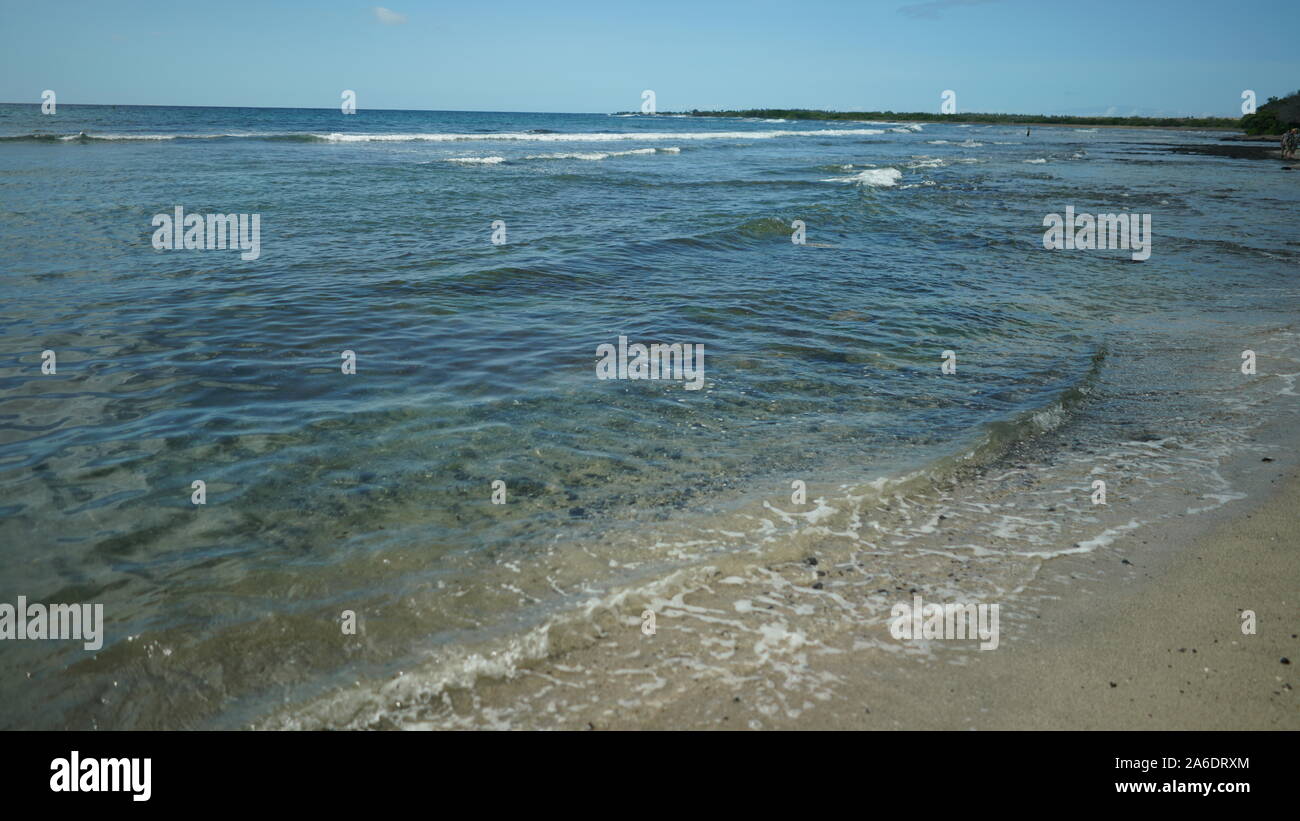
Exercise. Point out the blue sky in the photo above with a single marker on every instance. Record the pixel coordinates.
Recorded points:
(1029, 56)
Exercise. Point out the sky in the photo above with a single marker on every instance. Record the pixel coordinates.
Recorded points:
(1121, 57)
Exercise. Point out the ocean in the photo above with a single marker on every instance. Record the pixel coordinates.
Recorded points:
(920, 394)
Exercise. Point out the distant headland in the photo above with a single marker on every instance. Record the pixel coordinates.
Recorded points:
(1274, 117)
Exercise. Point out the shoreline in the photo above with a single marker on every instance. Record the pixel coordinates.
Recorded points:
(1117, 616)
(1144, 634)
(945, 121)
(1136, 626)
(1158, 646)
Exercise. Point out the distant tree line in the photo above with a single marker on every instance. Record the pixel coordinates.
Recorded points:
(1275, 116)
(921, 116)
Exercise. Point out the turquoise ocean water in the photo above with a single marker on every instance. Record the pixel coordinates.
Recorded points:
(475, 363)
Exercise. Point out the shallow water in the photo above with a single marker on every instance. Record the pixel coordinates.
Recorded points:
(476, 362)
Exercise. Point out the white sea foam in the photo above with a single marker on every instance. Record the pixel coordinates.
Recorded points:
(1106, 537)
(649, 136)
(565, 155)
(965, 144)
(601, 155)
(1039, 161)
(510, 136)
(878, 177)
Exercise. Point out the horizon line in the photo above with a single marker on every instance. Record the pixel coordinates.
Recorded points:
(948, 117)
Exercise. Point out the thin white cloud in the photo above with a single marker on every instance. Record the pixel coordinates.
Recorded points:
(389, 17)
(935, 9)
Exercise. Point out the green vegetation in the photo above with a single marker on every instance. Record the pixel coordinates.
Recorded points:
(1275, 116)
(1007, 119)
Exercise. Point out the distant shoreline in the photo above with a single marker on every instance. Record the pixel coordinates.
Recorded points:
(1040, 120)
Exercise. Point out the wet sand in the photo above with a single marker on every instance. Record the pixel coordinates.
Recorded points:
(1164, 649)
